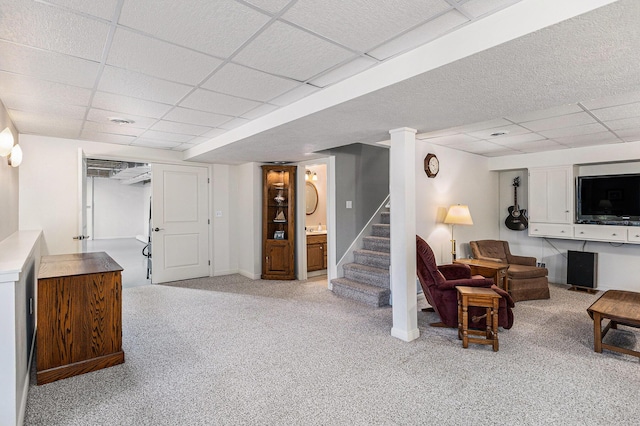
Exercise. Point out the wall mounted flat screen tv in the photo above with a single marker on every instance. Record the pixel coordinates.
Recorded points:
(612, 199)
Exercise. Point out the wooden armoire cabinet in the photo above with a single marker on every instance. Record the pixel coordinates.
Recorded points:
(278, 222)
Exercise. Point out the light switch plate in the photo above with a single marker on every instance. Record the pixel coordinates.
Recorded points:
(349, 204)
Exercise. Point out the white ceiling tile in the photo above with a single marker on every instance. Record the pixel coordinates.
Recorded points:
(129, 105)
(36, 128)
(103, 116)
(41, 90)
(130, 83)
(514, 140)
(165, 136)
(477, 8)
(206, 100)
(361, 24)
(511, 130)
(438, 133)
(573, 131)
(500, 153)
(116, 129)
(214, 27)
(618, 112)
(629, 135)
(568, 120)
(609, 101)
(294, 95)
(184, 128)
(272, 6)
(236, 122)
(259, 111)
(159, 59)
(201, 118)
(474, 127)
(451, 139)
(477, 146)
(45, 108)
(541, 146)
(211, 134)
(183, 147)
(344, 71)
(90, 135)
(39, 25)
(287, 51)
(48, 65)
(423, 34)
(103, 9)
(151, 143)
(545, 113)
(625, 123)
(592, 138)
(247, 83)
(30, 122)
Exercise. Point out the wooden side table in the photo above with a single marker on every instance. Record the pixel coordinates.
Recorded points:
(620, 307)
(484, 298)
(488, 269)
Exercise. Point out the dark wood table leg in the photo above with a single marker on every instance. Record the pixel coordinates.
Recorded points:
(597, 332)
(465, 323)
(494, 317)
(459, 317)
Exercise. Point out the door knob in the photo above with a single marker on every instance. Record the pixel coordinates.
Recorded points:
(158, 229)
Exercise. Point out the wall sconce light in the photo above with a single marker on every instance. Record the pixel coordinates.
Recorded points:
(309, 175)
(8, 149)
(457, 215)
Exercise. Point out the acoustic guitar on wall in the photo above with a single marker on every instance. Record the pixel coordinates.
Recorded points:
(516, 220)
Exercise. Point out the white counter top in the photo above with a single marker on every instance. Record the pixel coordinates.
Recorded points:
(14, 252)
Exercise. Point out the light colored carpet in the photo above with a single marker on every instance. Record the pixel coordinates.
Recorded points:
(230, 351)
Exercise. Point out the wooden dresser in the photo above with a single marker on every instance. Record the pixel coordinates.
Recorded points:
(79, 322)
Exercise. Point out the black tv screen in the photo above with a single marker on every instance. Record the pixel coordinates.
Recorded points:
(609, 198)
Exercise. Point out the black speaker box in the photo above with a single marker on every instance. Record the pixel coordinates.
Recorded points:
(582, 268)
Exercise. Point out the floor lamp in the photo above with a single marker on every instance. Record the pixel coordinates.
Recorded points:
(457, 215)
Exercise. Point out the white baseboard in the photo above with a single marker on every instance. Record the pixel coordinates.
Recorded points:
(249, 275)
(406, 335)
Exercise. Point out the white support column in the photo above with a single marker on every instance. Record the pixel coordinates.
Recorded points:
(403, 234)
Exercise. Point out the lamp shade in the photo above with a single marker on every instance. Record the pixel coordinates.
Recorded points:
(6, 142)
(16, 156)
(458, 215)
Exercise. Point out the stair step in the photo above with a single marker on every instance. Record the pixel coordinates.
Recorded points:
(382, 244)
(385, 217)
(360, 292)
(381, 230)
(376, 259)
(367, 274)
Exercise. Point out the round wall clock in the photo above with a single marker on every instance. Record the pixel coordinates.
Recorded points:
(431, 165)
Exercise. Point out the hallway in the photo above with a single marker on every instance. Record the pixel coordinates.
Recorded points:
(128, 253)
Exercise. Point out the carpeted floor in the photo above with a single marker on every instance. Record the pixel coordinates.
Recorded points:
(230, 351)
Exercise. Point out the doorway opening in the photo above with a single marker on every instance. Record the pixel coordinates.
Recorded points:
(118, 215)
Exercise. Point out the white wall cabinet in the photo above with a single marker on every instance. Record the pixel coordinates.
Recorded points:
(551, 195)
(551, 204)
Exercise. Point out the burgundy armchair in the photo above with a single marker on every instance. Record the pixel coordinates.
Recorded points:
(439, 286)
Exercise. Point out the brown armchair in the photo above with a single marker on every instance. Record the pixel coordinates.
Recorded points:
(439, 286)
(526, 281)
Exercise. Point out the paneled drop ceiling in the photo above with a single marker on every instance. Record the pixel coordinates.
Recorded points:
(185, 73)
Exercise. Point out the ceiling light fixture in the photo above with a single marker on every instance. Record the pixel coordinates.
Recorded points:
(498, 133)
(120, 121)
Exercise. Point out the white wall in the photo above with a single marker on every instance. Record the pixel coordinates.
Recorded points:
(119, 211)
(463, 179)
(224, 221)
(8, 185)
(49, 182)
(618, 265)
(248, 202)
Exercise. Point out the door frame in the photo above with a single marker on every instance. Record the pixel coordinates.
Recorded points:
(301, 202)
(208, 166)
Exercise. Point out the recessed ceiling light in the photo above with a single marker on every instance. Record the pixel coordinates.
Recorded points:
(117, 120)
(498, 133)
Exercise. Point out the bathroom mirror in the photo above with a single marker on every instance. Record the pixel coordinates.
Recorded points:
(311, 195)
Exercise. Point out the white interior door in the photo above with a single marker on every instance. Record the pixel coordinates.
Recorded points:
(82, 202)
(180, 222)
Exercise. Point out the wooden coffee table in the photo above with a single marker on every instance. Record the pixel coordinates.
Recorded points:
(488, 269)
(620, 307)
(484, 298)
